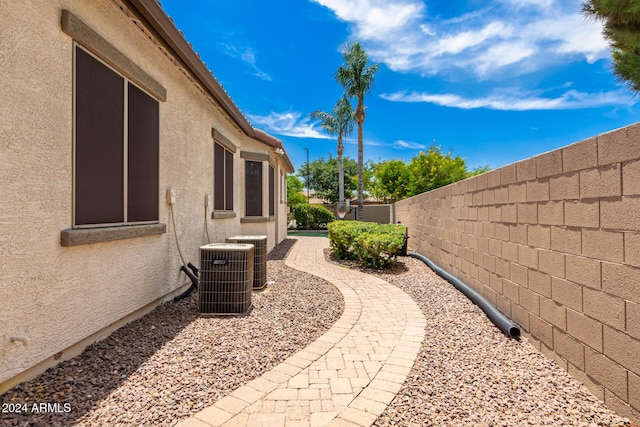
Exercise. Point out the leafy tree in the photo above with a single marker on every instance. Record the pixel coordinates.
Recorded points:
(367, 174)
(295, 195)
(479, 170)
(356, 76)
(339, 122)
(435, 169)
(312, 216)
(324, 177)
(367, 181)
(622, 28)
(391, 180)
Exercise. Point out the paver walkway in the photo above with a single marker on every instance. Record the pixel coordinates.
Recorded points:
(345, 378)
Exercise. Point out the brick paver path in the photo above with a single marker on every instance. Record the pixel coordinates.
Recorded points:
(345, 378)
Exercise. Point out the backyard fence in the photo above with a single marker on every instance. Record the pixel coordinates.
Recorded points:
(554, 243)
(382, 214)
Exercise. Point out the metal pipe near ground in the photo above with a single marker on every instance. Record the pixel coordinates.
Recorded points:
(503, 323)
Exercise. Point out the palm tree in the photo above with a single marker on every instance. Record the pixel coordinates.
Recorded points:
(338, 122)
(356, 77)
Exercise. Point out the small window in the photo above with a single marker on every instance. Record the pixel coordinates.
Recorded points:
(272, 191)
(285, 194)
(253, 188)
(223, 178)
(282, 187)
(116, 148)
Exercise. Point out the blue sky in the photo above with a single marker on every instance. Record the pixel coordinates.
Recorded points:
(491, 81)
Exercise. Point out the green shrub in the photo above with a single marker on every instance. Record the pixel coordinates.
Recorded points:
(375, 245)
(312, 217)
(343, 236)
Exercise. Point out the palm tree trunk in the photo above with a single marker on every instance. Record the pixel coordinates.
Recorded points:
(360, 121)
(340, 173)
(360, 174)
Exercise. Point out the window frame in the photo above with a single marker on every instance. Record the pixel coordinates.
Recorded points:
(282, 186)
(126, 83)
(253, 210)
(227, 172)
(272, 191)
(261, 158)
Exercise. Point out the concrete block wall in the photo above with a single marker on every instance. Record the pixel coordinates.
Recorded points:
(372, 213)
(554, 243)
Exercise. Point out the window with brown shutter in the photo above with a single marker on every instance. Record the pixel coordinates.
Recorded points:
(113, 117)
(272, 191)
(143, 157)
(253, 188)
(223, 176)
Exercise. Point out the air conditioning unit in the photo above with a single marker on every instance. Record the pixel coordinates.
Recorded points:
(259, 260)
(226, 278)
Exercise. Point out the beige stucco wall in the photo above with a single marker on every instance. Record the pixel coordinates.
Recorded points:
(554, 242)
(59, 296)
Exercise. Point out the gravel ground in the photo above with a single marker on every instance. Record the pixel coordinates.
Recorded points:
(469, 374)
(172, 363)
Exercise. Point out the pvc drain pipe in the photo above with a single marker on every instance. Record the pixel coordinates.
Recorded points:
(500, 320)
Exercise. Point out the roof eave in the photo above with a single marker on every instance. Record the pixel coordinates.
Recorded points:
(152, 11)
(274, 142)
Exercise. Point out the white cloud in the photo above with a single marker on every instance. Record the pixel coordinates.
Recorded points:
(520, 36)
(520, 4)
(295, 124)
(496, 42)
(367, 142)
(502, 54)
(515, 101)
(246, 55)
(572, 33)
(427, 30)
(291, 123)
(406, 145)
(376, 19)
(459, 42)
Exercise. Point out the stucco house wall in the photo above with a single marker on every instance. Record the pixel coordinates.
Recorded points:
(553, 242)
(58, 295)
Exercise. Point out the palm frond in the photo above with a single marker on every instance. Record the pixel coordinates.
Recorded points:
(327, 121)
(344, 115)
(356, 75)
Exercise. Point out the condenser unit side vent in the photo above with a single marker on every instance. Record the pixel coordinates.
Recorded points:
(260, 257)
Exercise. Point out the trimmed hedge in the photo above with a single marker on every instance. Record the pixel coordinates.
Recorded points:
(375, 245)
(312, 217)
